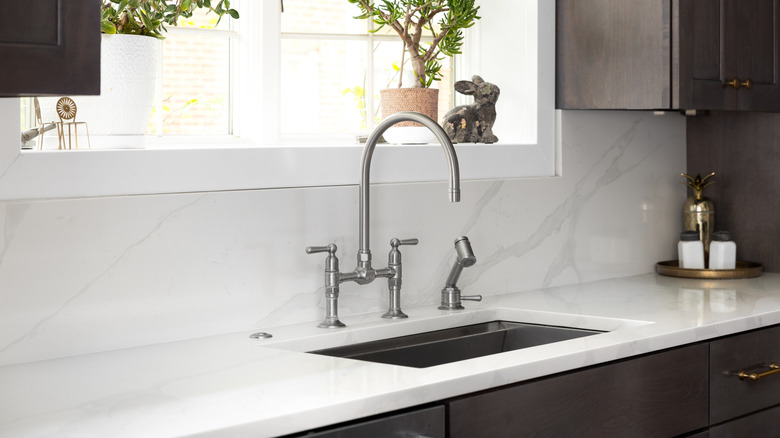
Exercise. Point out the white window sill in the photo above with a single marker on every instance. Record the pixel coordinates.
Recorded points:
(240, 166)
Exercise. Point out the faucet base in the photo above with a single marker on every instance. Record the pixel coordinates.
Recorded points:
(331, 323)
(457, 306)
(395, 314)
(451, 298)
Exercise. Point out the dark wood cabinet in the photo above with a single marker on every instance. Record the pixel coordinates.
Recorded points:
(663, 394)
(691, 391)
(50, 47)
(668, 54)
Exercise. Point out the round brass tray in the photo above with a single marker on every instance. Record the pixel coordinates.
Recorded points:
(672, 268)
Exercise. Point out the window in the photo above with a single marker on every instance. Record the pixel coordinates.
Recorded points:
(496, 48)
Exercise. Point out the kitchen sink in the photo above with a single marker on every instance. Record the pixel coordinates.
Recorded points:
(455, 344)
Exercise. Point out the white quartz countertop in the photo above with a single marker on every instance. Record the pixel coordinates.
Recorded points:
(231, 385)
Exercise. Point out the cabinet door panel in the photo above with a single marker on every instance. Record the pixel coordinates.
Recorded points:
(706, 36)
(663, 394)
(731, 397)
(50, 47)
(702, 44)
(756, 41)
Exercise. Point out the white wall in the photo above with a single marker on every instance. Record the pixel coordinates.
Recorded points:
(83, 275)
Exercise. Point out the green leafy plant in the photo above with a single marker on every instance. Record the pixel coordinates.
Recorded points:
(149, 17)
(410, 19)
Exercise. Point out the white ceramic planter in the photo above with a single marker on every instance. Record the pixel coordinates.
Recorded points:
(129, 66)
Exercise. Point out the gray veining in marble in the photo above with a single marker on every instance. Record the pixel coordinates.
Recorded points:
(85, 275)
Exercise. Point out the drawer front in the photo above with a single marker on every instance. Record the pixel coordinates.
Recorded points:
(731, 396)
(663, 394)
(764, 424)
(426, 422)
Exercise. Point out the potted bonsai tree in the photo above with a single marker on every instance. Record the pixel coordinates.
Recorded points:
(443, 21)
(131, 47)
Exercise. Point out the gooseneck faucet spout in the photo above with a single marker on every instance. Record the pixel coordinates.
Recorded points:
(364, 252)
(364, 273)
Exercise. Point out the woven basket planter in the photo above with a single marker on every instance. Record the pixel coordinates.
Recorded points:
(420, 100)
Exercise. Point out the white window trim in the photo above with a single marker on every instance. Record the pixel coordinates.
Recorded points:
(241, 166)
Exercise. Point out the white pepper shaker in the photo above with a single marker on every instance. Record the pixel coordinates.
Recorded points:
(690, 250)
(723, 251)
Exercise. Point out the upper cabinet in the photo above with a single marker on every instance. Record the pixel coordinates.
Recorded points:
(50, 47)
(668, 54)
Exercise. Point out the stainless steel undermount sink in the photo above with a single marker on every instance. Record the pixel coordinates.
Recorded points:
(455, 344)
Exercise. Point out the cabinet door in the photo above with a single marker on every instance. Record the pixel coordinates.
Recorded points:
(756, 46)
(613, 54)
(701, 56)
(663, 394)
(50, 47)
(728, 41)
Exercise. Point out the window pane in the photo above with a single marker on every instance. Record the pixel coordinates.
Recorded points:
(195, 86)
(323, 83)
(322, 16)
(204, 19)
(387, 59)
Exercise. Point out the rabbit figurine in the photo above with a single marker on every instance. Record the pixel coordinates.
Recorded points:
(473, 123)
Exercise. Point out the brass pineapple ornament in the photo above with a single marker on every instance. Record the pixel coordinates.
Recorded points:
(697, 184)
(699, 211)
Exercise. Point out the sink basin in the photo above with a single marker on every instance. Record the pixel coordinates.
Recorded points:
(455, 344)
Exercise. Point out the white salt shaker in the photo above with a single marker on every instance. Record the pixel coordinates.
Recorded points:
(690, 250)
(723, 251)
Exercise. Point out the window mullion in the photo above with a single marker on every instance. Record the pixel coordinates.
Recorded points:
(158, 95)
(269, 72)
(369, 92)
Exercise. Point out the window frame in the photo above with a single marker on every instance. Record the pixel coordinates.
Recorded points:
(244, 166)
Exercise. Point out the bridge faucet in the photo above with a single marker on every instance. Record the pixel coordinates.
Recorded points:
(364, 273)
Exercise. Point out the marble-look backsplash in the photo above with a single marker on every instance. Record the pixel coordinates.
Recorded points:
(85, 275)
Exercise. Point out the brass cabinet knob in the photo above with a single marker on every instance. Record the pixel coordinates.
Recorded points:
(736, 83)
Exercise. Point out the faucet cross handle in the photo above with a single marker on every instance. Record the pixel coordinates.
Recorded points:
(394, 279)
(395, 242)
(332, 280)
(329, 248)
